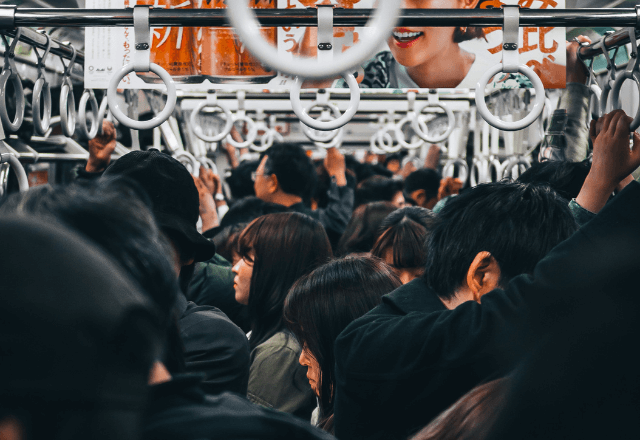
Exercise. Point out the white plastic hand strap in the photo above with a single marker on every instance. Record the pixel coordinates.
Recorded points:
(104, 113)
(67, 99)
(449, 169)
(336, 123)
(269, 135)
(373, 145)
(188, 160)
(510, 65)
(631, 72)
(336, 142)
(410, 118)
(611, 74)
(514, 167)
(594, 89)
(41, 90)
(330, 112)
(479, 171)
(10, 73)
(420, 127)
(252, 130)
(375, 34)
(88, 97)
(208, 163)
(143, 41)
(18, 169)
(211, 103)
(384, 136)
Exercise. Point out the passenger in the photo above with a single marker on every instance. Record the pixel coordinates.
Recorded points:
(240, 182)
(275, 250)
(286, 176)
(401, 244)
(321, 304)
(421, 188)
(212, 281)
(421, 360)
(364, 228)
(472, 417)
(213, 344)
(379, 189)
(78, 337)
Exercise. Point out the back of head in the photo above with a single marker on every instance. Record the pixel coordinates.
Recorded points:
(293, 168)
(566, 178)
(517, 223)
(77, 336)
(363, 171)
(376, 189)
(403, 238)
(472, 417)
(239, 179)
(173, 195)
(114, 215)
(363, 228)
(426, 179)
(321, 304)
(283, 247)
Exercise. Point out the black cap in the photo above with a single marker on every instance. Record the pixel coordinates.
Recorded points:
(173, 193)
(75, 331)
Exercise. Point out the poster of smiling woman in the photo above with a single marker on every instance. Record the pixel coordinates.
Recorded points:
(441, 57)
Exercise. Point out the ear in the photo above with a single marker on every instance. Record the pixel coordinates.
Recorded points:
(272, 184)
(483, 275)
(420, 196)
(469, 4)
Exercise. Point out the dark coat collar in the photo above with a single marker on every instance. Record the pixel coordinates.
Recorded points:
(414, 296)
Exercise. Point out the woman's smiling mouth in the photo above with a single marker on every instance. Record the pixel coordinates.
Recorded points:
(405, 38)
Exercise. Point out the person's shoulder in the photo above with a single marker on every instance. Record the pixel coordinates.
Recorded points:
(205, 319)
(282, 342)
(377, 71)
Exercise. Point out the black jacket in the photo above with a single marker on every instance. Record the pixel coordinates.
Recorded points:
(179, 410)
(215, 346)
(396, 372)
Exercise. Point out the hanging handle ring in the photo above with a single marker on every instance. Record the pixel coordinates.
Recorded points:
(88, 97)
(611, 75)
(631, 72)
(451, 121)
(211, 103)
(252, 128)
(41, 91)
(322, 136)
(10, 73)
(9, 158)
(449, 169)
(334, 124)
(510, 64)
(410, 118)
(67, 99)
(142, 63)
(246, 26)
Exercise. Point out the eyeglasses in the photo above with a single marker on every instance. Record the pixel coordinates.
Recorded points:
(255, 175)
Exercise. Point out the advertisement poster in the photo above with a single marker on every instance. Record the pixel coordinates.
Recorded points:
(413, 58)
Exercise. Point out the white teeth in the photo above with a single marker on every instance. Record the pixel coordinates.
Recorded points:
(406, 34)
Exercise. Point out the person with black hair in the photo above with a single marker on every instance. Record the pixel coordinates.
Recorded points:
(275, 250)
(321, 304)
(213, 344)
(78, 337)
(364, 228)
(212, 281)
(397, 368)
(286, 176)
(401, 244)
(565, 178)
(379, 189)
(421, 187)
(239, 180)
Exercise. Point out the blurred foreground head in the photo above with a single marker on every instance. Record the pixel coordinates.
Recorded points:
(77, 337)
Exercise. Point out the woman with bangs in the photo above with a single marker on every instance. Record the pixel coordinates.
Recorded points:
(401, 244)
(321, 304)
(275, 250)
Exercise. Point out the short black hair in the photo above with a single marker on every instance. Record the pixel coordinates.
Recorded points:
(363, 171)
(293, 168)
(566, 178)
(426, 179)
(239, 179)
(404, 232)
(363, 228)
(517, 223)
(376, 189)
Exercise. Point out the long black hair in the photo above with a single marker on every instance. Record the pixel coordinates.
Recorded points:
(283, 247)
(321, 304)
